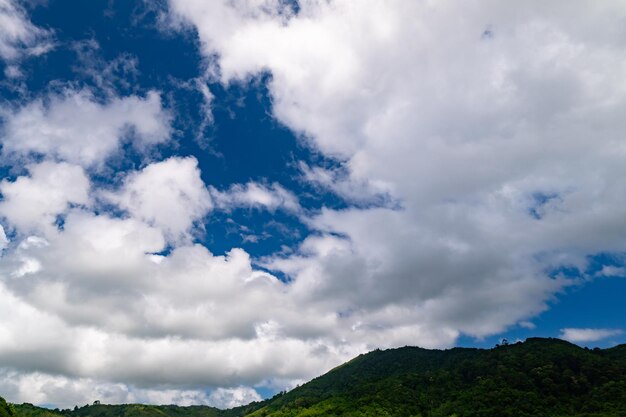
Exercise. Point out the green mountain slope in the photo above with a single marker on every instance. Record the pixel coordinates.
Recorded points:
(540, 377)
(6, 410)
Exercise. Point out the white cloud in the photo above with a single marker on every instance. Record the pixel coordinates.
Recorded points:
(255, 195)
(611, 271)
(63, 392)
(502, 152)
(588, 335)
(232, 397)
(136, 319)
(32, 203)
(12, 71)
(4, 241)
(354, 190)
(76, 128)
(169, 195)
(18, 36)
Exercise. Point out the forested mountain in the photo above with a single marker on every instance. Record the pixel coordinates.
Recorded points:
(540, 377)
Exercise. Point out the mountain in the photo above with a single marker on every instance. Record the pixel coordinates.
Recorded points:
(539, 377)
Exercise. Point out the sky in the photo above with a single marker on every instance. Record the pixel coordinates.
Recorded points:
(208, 202)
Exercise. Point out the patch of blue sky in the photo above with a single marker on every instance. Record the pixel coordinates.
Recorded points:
(596, 305)
(540, 199)
(243, 143)
(595, 301)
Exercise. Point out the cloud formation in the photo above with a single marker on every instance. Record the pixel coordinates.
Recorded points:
(169, 195)
(473, 168)
(255, 195)
(588, 335)
(75, 127)
(18, 36)
(500, 150)
(32, 203)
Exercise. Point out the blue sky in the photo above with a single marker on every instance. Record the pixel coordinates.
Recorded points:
(210, 202)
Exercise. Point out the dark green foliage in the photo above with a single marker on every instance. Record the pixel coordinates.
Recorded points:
(540, 377)
(134, 410)
(6, 410)
(29, 410)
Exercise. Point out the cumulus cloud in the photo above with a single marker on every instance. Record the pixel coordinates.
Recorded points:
(169, 195)
(588, 335)
(75, 127)
(41, 388)
(18, 36)
(502, 152)
(32, 203)
(115, 315)
(101, 299)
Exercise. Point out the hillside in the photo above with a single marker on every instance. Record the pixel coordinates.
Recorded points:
(6, 410)
(540, 377)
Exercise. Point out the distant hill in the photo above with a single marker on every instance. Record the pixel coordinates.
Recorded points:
(134, 410)
(540, 377)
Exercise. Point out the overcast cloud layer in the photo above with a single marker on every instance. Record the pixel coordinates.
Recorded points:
(479, 150)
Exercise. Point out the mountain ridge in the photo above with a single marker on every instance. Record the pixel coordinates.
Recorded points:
(538, 377)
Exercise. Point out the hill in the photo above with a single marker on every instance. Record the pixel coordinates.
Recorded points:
(540, 377)
(134, 410)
